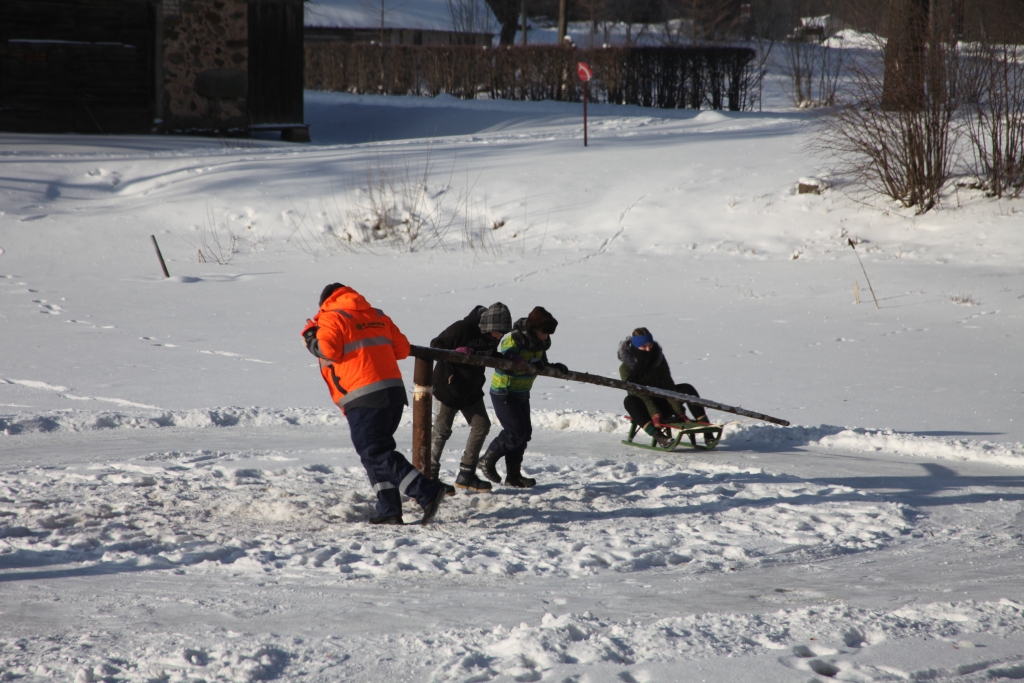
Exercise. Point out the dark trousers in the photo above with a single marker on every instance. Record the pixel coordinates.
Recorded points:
(479, 425)
(638, 413)
(390, 474)
(513, 411)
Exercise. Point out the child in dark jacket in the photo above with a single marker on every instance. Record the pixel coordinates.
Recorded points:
(644, 363)
(459, 388)
(510, 395)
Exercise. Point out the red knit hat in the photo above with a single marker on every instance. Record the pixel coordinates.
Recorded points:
(540, 320)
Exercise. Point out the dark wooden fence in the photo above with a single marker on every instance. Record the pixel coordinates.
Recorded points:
(82, 66)
(664, 77)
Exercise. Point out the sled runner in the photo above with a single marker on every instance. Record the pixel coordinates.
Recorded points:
(677, 430)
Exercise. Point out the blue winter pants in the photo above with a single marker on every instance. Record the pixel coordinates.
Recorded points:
(513, 411)
(390, 474)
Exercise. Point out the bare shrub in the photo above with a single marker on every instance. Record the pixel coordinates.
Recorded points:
(961, 299)
(471, 16)
(399, 205)
(813, 71)
(905, 150)
(996, 124)
(218, 241)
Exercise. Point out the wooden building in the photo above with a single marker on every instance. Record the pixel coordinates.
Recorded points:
(223, 67)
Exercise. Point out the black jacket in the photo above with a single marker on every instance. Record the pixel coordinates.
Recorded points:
(650, 369)
(456, 385)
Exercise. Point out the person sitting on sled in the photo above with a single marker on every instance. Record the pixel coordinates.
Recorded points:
(644, 363)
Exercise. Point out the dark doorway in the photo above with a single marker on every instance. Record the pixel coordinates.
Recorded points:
(276, 63)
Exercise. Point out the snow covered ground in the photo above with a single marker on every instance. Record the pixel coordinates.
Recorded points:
(179, 501)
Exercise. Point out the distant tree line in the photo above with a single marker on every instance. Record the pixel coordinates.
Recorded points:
(710, 21)
(666, 77)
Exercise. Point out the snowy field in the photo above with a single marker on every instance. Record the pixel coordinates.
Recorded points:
(179, 501)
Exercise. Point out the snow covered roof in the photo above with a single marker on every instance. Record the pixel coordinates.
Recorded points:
(816, 22)
(424, 15)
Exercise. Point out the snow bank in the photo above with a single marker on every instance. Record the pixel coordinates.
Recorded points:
(869, 440)
(83, 421)
(742, 435)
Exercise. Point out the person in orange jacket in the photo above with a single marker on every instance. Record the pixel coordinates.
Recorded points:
(359, 348)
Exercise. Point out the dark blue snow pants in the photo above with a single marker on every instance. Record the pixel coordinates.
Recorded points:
(513, 411)
(373, 435)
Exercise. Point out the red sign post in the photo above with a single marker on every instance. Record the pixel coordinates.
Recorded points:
(585, 73)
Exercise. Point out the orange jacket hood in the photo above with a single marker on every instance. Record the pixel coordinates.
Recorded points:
(346, 299)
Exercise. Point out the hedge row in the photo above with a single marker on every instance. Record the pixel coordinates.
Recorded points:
(665, 77)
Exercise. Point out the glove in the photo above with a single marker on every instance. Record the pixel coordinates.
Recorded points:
(656, 419)
(464, 350)
(309, 332)
(559, 366)
(538, 363)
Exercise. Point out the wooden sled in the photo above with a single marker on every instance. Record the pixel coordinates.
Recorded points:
(677, 430)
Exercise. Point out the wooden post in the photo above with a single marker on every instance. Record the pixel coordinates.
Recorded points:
(422, 395)
(870, 288)
(159, 255)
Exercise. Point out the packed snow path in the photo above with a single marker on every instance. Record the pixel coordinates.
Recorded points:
(257, 563)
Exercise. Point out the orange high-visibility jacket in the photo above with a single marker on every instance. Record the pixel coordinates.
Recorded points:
(359, 347)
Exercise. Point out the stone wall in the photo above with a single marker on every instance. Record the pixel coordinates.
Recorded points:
(205, 64)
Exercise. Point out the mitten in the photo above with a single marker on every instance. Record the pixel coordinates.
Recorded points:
(558, 366)
(464, 349)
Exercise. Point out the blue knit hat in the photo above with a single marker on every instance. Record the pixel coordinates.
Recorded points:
(641, 339)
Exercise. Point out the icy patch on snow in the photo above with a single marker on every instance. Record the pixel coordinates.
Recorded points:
(211, 509)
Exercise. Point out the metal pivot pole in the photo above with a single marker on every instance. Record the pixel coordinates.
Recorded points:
(422, 393)
(585, 88)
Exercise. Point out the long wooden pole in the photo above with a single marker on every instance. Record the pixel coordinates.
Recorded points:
(423, 352)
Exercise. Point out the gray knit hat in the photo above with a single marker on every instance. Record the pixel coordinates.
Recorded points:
(497, 318)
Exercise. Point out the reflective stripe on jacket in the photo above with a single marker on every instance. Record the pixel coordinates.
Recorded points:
(359, 347)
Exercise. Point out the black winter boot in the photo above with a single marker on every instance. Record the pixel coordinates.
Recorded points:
(467, 479)
(487, 466)
(387, 520)
(435, 475)
(514, 474)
